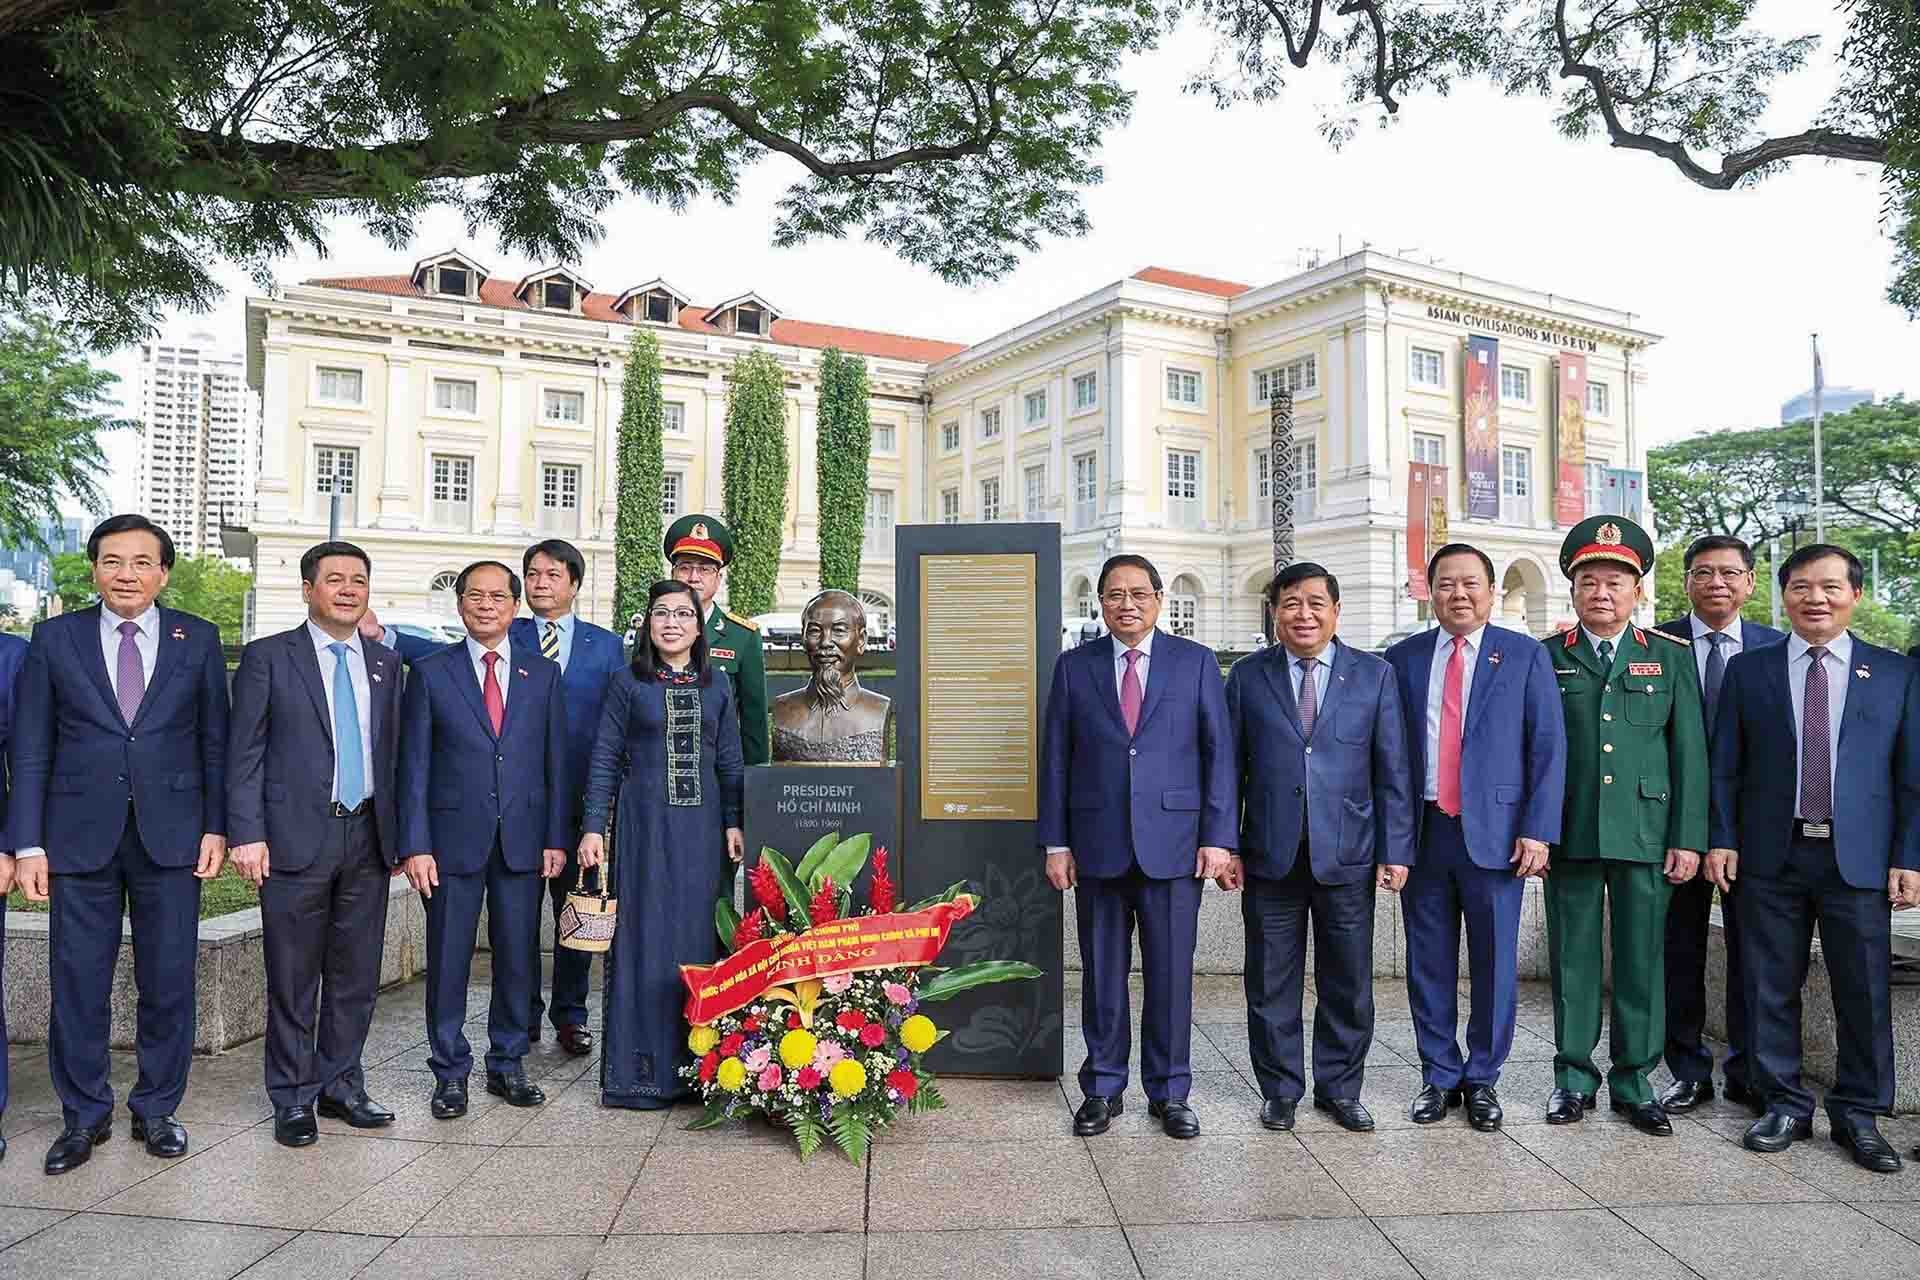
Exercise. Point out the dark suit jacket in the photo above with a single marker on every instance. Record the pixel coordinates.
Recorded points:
(1154, 797)
(595, 659)
(13, 655)
(1753, 635)
(459, 784)
(1345, 787)
(281, 748)
(1513, 746)
(77, 762)
(1876, 777)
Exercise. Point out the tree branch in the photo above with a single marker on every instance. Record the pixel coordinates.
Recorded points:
(1383, 82)
(1297, 54)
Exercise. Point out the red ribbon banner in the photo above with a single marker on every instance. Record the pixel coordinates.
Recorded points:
(898, 940)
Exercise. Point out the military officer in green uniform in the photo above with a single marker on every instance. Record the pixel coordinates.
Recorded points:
(699, 548)
(1635, 822)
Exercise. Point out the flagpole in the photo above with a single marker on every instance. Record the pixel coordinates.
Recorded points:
(1819, 486)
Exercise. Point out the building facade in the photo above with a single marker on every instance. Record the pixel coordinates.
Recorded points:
(457, 415)
(199, 442)
(1832, 400)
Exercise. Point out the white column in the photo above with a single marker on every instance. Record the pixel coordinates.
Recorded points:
(1013, 419)
(276, 425)
(1132, 462)
(969, 428)
(1367, 447)
(607, 483)
(1058, 489)
(395, 500)
(714, 411)
(913, 470)
(506, 498)
(805, 469)
(1333, 391)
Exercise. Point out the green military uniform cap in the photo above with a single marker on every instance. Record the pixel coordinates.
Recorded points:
(699, 534)
(1607, 539)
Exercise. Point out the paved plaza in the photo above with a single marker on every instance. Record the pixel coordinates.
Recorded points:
(993, 1187)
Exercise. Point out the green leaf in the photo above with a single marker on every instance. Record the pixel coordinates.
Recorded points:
(815, 856)
(808, 1132)
(969, 976)
(789, 887)
(951, 892)
(844, 863)
(850, 1133)
(714, 1116)
(726, 922)
(927, 1099)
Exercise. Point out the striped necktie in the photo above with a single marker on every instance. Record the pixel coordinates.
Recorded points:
(550, 642)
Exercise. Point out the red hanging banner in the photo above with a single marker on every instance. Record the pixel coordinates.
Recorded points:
(1570, 438)
(1426, 522)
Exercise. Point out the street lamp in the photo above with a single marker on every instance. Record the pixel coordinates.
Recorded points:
(1791, 507)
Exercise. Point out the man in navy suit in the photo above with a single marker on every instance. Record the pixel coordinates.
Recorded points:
(1137, 809)
(119, 800)
(13, 654)
(588, 657)
(1487, 749)
(483, 817)
(1321, 741)
(1816, 818)
(1719, 575)
(313, 816)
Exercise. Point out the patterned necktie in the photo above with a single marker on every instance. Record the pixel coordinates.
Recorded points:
(350, 788)
(1452, 696)
(130, 676)
(1816, 747)
(1309, 696)
(1605, 649)
(1131, 694)
(1716, 672)
(550, 642)
(496, 704)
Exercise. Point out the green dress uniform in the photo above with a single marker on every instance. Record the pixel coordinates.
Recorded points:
(733, 642)
(1637, 785)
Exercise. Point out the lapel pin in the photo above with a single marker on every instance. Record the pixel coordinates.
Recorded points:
(1863, 673)
(520, 671)
(375, 675)
(1493, 659)
(179, 633)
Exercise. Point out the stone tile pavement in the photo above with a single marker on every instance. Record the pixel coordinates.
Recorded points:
(994, 1187)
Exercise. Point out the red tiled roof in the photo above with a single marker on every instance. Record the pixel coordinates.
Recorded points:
(498, 292)
(1193, 283)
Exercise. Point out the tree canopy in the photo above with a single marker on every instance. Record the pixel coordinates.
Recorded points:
(1686, 81)
(147, 139)
(53, 401)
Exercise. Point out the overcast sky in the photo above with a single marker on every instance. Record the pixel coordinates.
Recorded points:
(1736, 281)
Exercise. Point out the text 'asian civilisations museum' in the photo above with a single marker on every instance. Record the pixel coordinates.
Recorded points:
(460, 415)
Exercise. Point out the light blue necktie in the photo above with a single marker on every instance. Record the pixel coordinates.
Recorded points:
(352, 786)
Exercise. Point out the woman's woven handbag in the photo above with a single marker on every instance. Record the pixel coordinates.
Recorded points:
(588, 920)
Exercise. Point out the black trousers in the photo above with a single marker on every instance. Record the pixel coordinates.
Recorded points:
(1777, 916)
(1278, 914)
(1689, 920)
(323, 930)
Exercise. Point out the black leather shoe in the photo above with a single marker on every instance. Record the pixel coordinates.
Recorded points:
(1347, 1113)
(295, 1126)
(575, 1039)
(1870, 1151)
(515, 1088)
(1095, 1115)
(1564, 1106)
(1747, 1096)
(360, 1111)
(1685, 1095)
(1648, 1117)
(1775, 1131)
(1483, 1108)
(1277, 1114)
(450, 1099)
(74, 1147)
(1431, 1104)
(1176, 1117)
(165, 1137)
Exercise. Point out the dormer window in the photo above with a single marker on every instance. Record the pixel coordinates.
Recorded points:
(449, 275)
(749, 314)
(659, 307)
(749, 319)
(555, 288)
(454, 281)
(556, 295)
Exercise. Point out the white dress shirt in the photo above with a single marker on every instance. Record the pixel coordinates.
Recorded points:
(362, 698)
(1838, 668)
(1437, 694)
(146, 640)
(1120, 661)
(1729, 648)
(502, 670)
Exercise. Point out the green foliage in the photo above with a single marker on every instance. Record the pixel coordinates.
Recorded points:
(845, 447)
(808, 1132)
(754, 480)
(1681, 80)
(1876, 623)
(73, 580)
(726, 922)
(52, 401)
(815, 856)
(210, 588)
(637, 534)
(948, 894)
(713, 1117)
(790, 889)
(843, 865)
(951, 982)
(927, 1098)
(849, 1129)
(147, 140)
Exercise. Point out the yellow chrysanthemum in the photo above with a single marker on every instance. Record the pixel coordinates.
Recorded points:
(847, 1077)
(732, 1075)
(701, 1040)
(918, 1033)
(796, 1048)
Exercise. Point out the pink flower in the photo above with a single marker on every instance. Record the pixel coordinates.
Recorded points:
(873, 1035)
(897, 993)
(759, 1058)
(770, 1079)
(838, 984)
(826, 1054)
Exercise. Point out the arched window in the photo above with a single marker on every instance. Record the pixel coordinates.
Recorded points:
(440, 592)
(1183, 607)
(879, 614)
(1084, 605)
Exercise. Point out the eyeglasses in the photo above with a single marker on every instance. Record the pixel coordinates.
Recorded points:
(488, 597)
(675, 615)
(1707, 573)
(139, 564)
(696, 568)
(1138, 597)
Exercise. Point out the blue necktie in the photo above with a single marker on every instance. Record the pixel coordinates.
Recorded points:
(351, 788)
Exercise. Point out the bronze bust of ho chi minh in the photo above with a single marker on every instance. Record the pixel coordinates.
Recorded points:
(832, 718)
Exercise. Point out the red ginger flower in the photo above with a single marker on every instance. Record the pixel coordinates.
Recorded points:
(826, 903)
(881, 895)
(766, 890)
(753, 927)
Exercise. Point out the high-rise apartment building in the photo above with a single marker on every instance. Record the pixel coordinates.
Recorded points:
(200, 441)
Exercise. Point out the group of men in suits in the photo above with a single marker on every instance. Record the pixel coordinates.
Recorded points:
(1466, 760)
(132, 780)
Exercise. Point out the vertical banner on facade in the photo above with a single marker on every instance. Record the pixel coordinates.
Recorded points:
(1570, 441)
(1426, 522)
(1481, 389)
(1625, 489)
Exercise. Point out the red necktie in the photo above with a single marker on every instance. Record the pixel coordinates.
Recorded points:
(1451, 696)
(496, 705)
(1131, 694)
